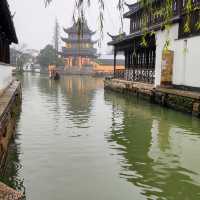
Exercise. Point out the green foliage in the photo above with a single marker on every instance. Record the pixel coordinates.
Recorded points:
(198, 26)
(166, 45)
(48, 56)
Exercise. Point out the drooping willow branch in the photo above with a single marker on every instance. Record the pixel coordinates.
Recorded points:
(79, 13)
(165, 12)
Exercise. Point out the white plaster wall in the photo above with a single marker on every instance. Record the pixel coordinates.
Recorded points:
(186, 66)
(161, 37)
(192, 60)
(5, 76)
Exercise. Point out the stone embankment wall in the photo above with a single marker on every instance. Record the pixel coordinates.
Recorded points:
(7, 193)
(185, 101)
(10, 104)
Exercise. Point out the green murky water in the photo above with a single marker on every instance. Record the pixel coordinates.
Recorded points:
(77, 142)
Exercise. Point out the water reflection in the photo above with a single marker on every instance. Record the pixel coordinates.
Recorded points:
(80, 93)
(77, 142)
(11, 175)
(159, 146)
(77, 92)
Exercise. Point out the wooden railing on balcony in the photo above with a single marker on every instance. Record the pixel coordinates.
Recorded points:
(139, 22)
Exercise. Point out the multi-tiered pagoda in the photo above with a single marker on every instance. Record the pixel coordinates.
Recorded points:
(79, 51)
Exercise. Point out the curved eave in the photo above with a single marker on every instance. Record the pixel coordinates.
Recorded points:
(78, 41)
(130, 13)
(128, 37)
(134, 8)
(7, 22)
(80, 52)
(155, 27)
(117, 37)
(73, 30)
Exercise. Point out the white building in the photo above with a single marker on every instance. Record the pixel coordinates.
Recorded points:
(166, 55)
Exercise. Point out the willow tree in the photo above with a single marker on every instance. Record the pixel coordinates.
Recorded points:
(80, 8)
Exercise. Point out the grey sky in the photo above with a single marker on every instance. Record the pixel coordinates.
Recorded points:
(34, 23)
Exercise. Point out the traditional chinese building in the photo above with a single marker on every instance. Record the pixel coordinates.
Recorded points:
(7, 32)
(7, 36)
(10, 96)
(79, 50)
(161, 55)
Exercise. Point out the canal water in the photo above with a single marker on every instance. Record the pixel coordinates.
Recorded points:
(76, 141)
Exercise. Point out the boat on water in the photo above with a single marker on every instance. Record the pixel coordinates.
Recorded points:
(53, 72)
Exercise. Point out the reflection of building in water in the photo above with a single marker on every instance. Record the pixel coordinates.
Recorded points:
(80, 92)
(82, 85)
(11, 173)
(159, 150)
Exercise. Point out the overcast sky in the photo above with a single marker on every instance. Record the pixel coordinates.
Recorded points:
(35, 24)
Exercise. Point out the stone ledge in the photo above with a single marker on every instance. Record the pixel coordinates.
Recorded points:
(6, 97)
(7, 193)
(183, 93)
(181, 100)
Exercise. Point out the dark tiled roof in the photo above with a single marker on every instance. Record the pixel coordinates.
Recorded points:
(77, 40)
(84, 28)
(91, 52)
(6, 22)
(135, 7)
(132, 9)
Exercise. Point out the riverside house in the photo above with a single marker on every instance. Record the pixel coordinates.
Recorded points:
(10, 95)
(7, 36)
(162, 59)
(149, 63)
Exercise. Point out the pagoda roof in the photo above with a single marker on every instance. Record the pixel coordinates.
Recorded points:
(92, 52)
(84, 27)
(6, 22)
(78, 40)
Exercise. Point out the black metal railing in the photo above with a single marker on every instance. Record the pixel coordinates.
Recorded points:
(136, 75)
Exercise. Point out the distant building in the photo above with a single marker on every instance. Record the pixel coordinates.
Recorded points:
(79, 51)
(104, 65)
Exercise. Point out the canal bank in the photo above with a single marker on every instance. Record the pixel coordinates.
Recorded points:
(10, 104)
(177, 99)
(99, 145)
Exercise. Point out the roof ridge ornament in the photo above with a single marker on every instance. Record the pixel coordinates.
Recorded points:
(117, 37)
(132, 6)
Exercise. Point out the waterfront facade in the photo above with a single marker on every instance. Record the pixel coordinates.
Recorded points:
(170, 55)
(7, 36)
(7, 32)
(79, 51)
(10, 90)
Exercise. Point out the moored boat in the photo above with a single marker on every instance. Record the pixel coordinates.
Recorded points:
(53, 73)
